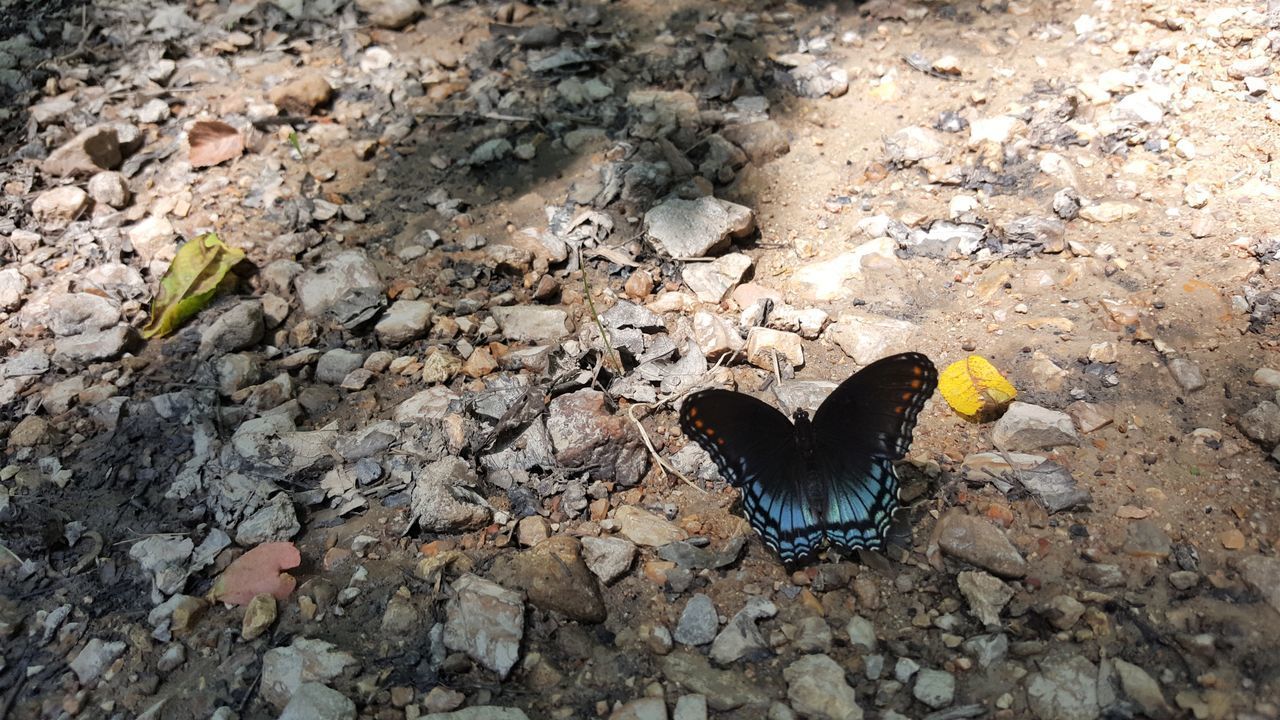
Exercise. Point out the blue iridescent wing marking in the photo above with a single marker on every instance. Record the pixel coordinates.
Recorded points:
(843, 491)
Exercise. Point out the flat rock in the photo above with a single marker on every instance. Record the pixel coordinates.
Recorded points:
(713, 281)
(646, 529)
(1263, 575)
(533, 323)
(94, 659)
(935, 688)
(77, 313)
(914, 144)
(404, 321)
(57, 208)
(1144, 538)
(609, 558)
(302, 95)
(816, 688)
(1142, 689)
(1030, 427)
(651, 708)
(320, 288)
(762, 343)
(437, 503)
(866, 338)
(715, 336)
(313, 701)
(236, 329)
(1065, 689)
(987, 595)
(305, 660)
(334, 365)
(1186, 373)
(390, 14)
(697, 228)
(1262, 424)
(980, 543)
(833, 279)
(725, 690)
(740, 637)
(698, 622)
(762, 141)
(486, 621)
(13, 285)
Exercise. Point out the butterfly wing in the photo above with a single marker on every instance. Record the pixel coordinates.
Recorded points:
(859, 430)
(754, 446)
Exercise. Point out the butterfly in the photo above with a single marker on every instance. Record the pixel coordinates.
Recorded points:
(823, 482)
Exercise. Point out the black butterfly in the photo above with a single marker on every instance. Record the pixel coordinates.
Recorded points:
(829, 481)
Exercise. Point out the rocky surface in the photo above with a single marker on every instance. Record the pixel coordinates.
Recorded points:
(420, 456)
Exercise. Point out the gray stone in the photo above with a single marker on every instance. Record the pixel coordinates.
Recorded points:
(533, 323)
(1030, 427)
(980, 543)
(866, 338)
(13, 285)
(544, 571)
(690, 707)
(935, 688)
(1187, 374)
(321, 288)
(478, 712)
(442, 501)
(405, 320)
(1144, 538)
(987, 649)
(313, 701)
(32, 362)
(1262, 424)
(725, 690)
(986, 595)
(109, 188)
(609, 558)
(172, 658)
(57, 208)
(814, 635)
(762, 141)
(740, 637)
(236, 329)
(861, 633)
(1267, 377)
(914, 144)
(1063, 611)
(153, 239)
(816, 688)
(650, 708)
(285, 669)
(905, 669)
(274, 520)
(165, 560)
(390, 14)
(78, 313)
(1103, 575)
(94, 659)
(698, 622)
(486, 621)
(1142, 689)
(1065, 689)
(697, 228)
(1263, 575)
(334, 366)
(713, 281)
(118, 281)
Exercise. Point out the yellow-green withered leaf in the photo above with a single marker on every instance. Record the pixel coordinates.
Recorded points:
(190, 282)
(975, 389)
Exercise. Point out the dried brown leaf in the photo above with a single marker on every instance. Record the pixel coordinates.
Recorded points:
(213, 142)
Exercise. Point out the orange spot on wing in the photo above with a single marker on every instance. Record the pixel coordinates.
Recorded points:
(698, 424)
(906, 397)
(719, 441)
(711, 432)
(693, 412)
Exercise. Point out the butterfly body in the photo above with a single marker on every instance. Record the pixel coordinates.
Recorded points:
(825, 481)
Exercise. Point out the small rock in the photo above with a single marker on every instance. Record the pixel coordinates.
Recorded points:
(1063, 611)
(1187, 374)
(1196, 195)
(915, 144)
(697, 228)
(740, 637)
(486, 621)
(172, 658)
(13, 285)
(94, 659)
(78, 313)
(866, 338)
(1108, 212)
(532, 323)
(334, 365)
(405, 320)
(1184, 579)
(544, 572)
(987, 649)
(1087, 416)
(1262, 574)
(690, 707)
(153, 239)
(646, 529)
(1064, 689)
(390, 14)
(401, 620)
(57, 208)
(861, 633)
(1030, 427)
(816, 688)
(109, 188)
(642, 709)
(1142, 689)
(814, 635)
(322, 287)
(762, 343)
(1103, 575)
(715, 336)
(713, 281)
(313, 701)
(236, 329)
(762, 141)
(1144, 538)
(91, 346)
(1267, 377)
(609, 558)
(258, 616)
(935, 688)
(698, 622)
(584, 433)
(980, 543)
(1262, 424)
(725, 690)
(301, 96)
(987, 595)
(437, 500)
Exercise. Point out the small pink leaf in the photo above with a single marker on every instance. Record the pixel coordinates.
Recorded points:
(213, 142)
(259, 571)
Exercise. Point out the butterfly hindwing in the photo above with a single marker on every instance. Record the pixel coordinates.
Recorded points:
(753, 445)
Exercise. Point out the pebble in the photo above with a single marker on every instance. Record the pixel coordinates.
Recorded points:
(94, 659)
(172, 658)
(609, 558)
(1030, 427)
(1063, 611)
(1064, 689)
(987, 649)
(763, 343)
(1187, 374)
(813, 635)
(1262, 424)
(861, 633)
(437, 497)
(935, 688)
(646, 529)
(690, 707)
(1108, 212)
(642, 709)
(1142, 689)
(390, 14)
(980, 543)
(697, 228)
(404, 321)
(57, 208)
(1262, 574)
(1144, 538)
(13, 286)
(236, 329)
(92, 150)
(109, 188)
(313, 701)
(698, 622)
(259, 614)
(987, 595)
(712, 282)
(535, 324)
(816, 687)
(301, 95)
(544, 571)
(740, 638)
(486, 621)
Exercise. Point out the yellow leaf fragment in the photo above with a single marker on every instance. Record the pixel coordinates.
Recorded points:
(190, 282)
(975, 389)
